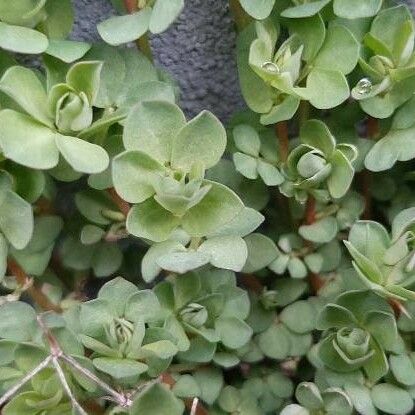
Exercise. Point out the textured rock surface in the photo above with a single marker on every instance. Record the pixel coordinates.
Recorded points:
(199, 51)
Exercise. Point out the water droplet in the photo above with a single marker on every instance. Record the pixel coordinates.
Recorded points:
(364, 86)
(271, 67)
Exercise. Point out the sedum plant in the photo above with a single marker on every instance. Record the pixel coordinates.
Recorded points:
(154, 263)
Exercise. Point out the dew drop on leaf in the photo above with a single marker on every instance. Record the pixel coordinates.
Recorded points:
(364, 86)
(271, 67)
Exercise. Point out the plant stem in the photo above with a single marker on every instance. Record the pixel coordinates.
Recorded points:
(304, 112)
(240, 17)
(310, 211)
(142, 43)
(10, 393)
(252, 283)
(35, 293)
(122, 205)
(130, 5)
(75, 404)
(281, 129)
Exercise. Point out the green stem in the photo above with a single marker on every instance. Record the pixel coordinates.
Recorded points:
(143, 44)
(304, 112)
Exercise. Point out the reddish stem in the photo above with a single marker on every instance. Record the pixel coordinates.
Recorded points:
(252, 283)
(310, 211)
(122, 205)
(37, 295)
(130, 5)
(281, 129)
(398, 308)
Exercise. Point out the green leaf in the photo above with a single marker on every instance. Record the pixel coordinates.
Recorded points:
(26, 89)
(311, 31)
(308, 395)
(383, 328)
(305, 10)
(234, 333)
(119, 368)
(94, 316)
(326, 88)
(17, 321)
(356, 9)
(242, 224)
(361, 399)
(296, 268)
(216, 209)
(371, 239)
(368, 268)
(210, 381)
(391, 399)
(247, 139)
(182, 262)
(299, 317)
(106, 259)
(341, 176)
(163, 349)
(336, 316)
(134, 174)
(281, 112)
(275, 342)
(123, 29)
(142, 305)
(85, 77)
(259, 10)
(246, 165)
(229, 399)
(202, 140)
(261, 252)
(393, 18)
(16, 220)
(91, 234)
(402, 221)
(67, 50)
(158, 400)
(150, 221)
(269, 174)
(227, 252)
(397, 145)
(84, 157)
(151, 128)
(316, 134)
(340, 50)
(91, 204)
(257, 94)
(22, 39)
(186, 387)
(337, 402)
(403, 369)
(294, 409)
(322, 231)
(164, 14)
(149, 264)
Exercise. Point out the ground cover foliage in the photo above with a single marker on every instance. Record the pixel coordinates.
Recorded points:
(154, 264)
